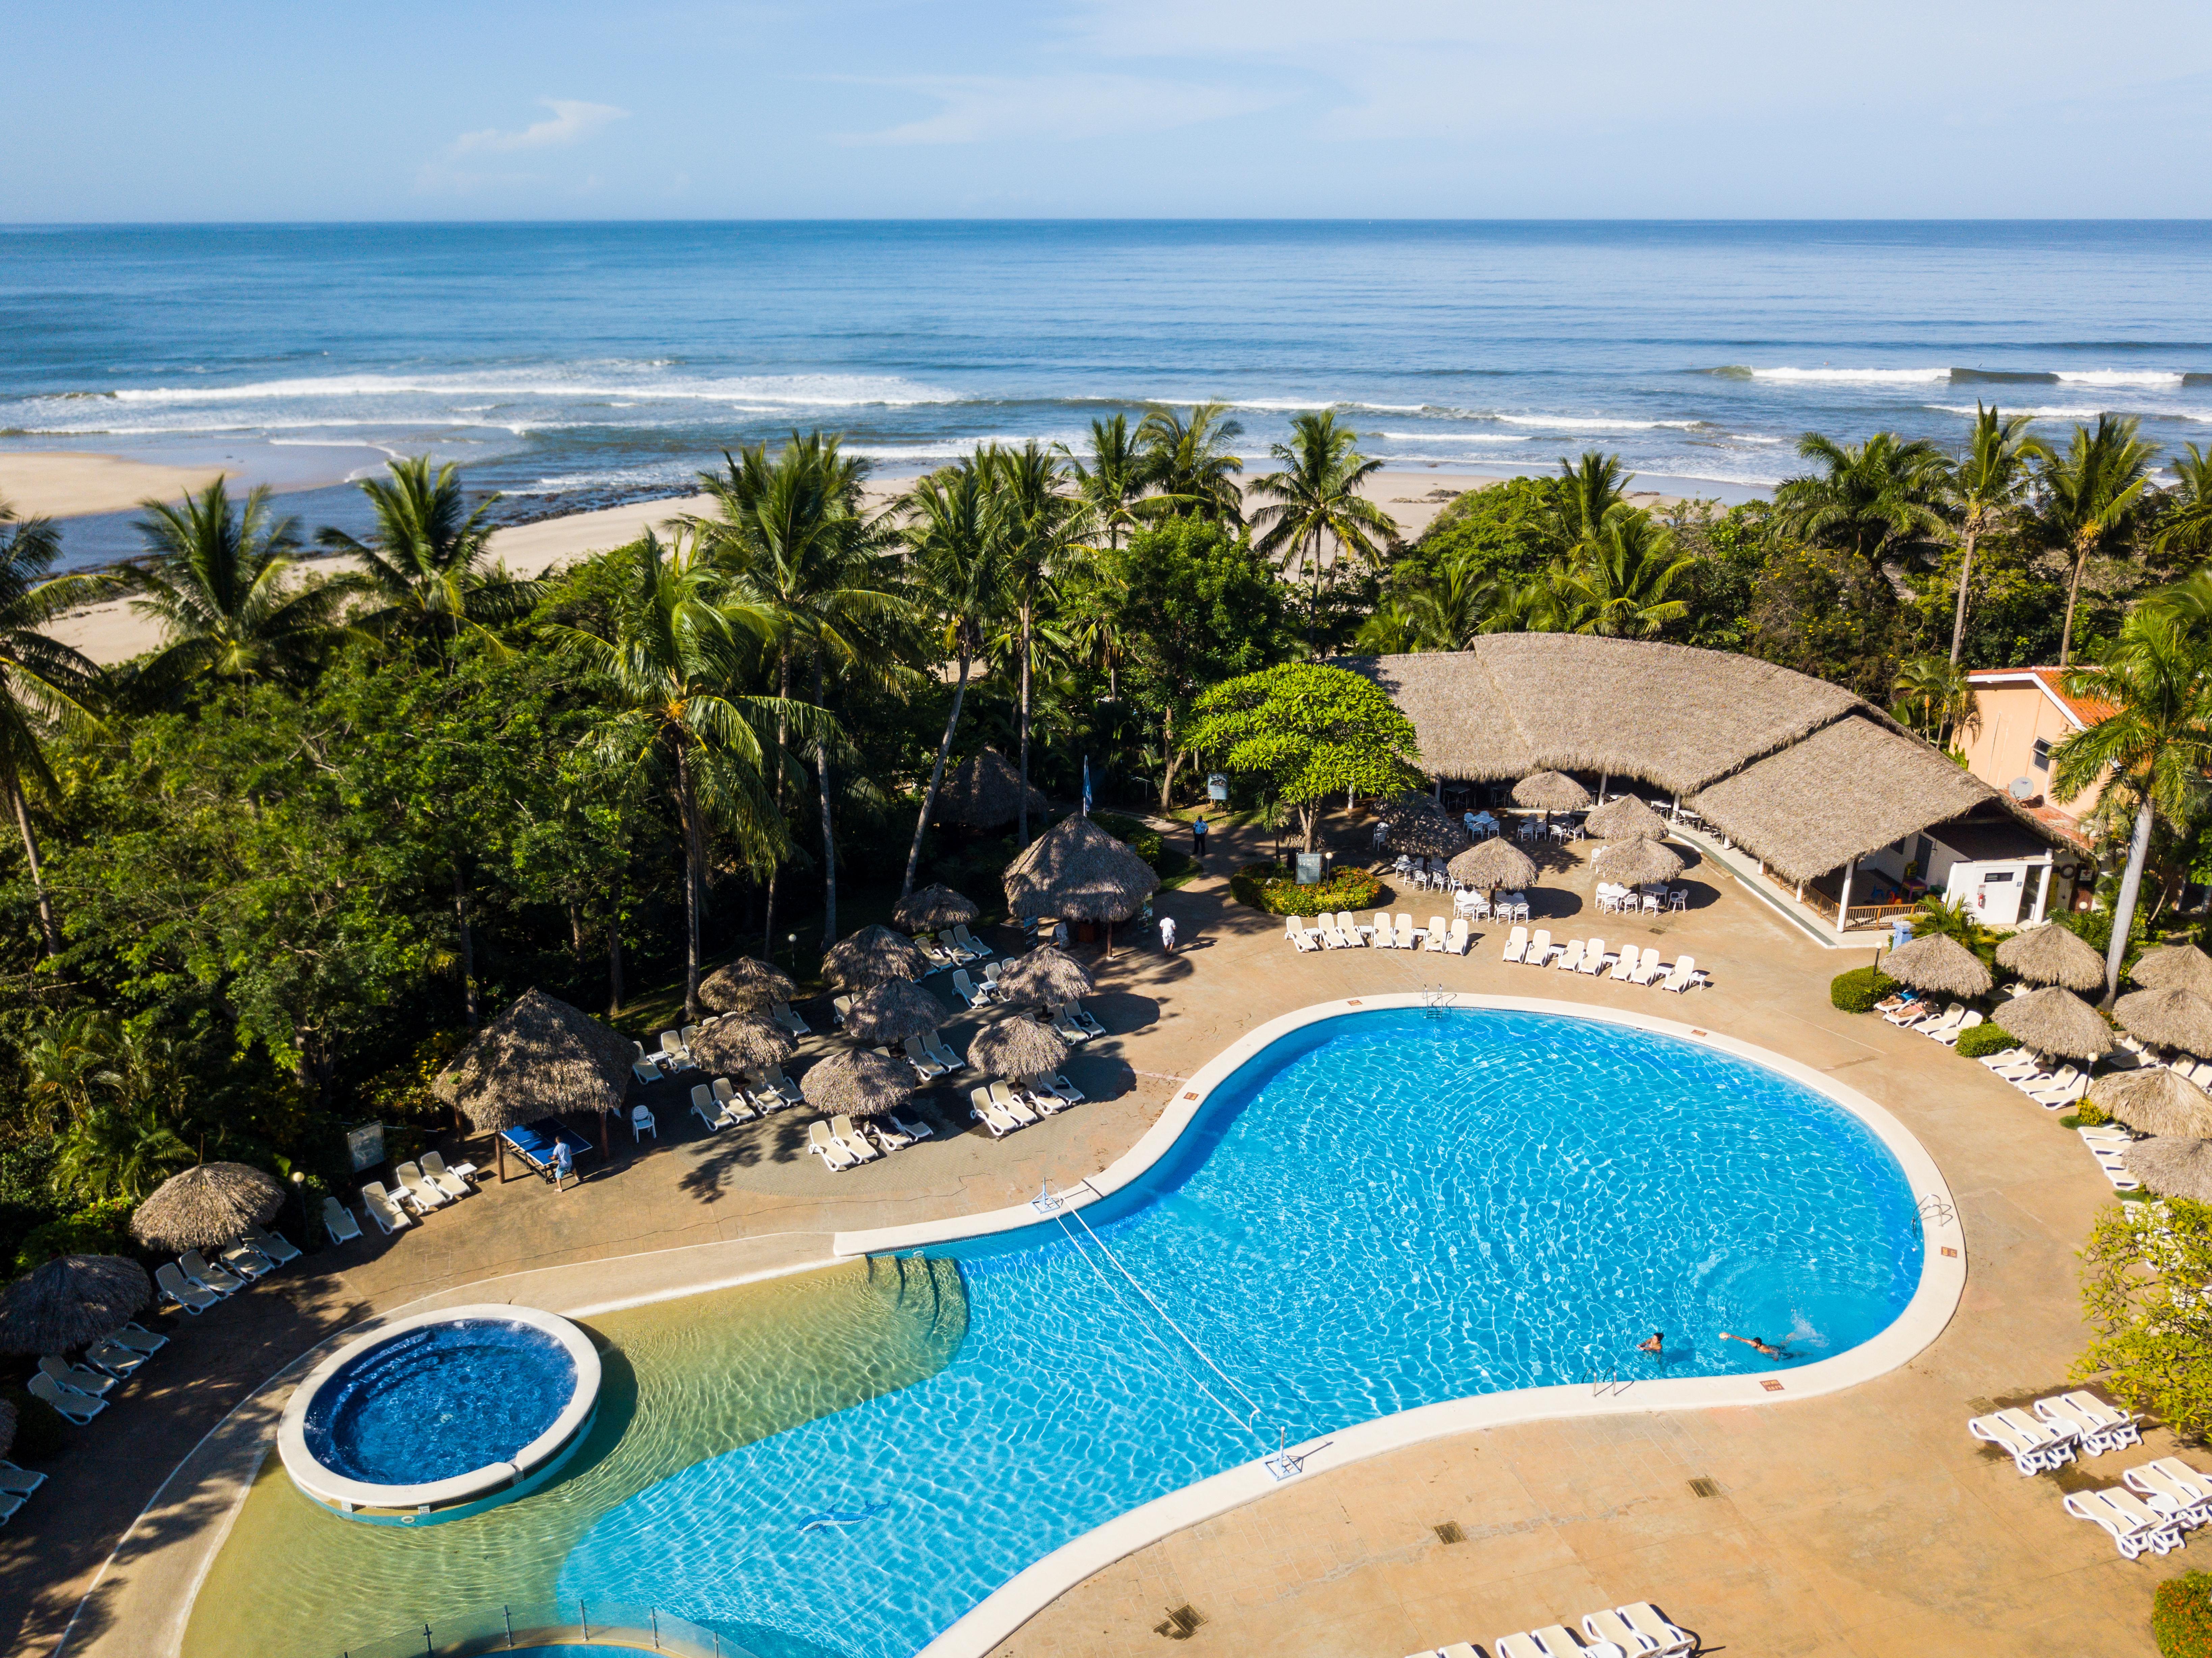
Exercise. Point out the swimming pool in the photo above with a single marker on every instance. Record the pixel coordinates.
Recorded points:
(1379, 1212)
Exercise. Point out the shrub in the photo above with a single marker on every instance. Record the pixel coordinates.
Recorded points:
(2181, 1616)
(1275, 888)
(40, 1431)
(1858, 991)
(1133, 832)
(98, 1228)
(2088, 1115)
(1984, 1038)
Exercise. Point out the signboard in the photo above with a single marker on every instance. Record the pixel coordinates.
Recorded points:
(1313, 868)
(1216, 786)
(365, 1145)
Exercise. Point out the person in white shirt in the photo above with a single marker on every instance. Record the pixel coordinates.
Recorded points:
(1167, 933)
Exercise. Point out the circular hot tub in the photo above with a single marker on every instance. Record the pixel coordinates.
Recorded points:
(442, 1414)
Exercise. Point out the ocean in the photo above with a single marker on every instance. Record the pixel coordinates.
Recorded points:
(577, 365)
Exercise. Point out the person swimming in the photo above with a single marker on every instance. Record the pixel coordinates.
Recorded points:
(1767, 1348)
(1656, 1346)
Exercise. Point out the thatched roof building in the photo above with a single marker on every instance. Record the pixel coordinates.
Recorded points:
(746, 986)
(1625, 817)
(892, 1012)
(206, 1207)
(1421, 827)
(1018, 1048)
(933, 906)
(1077, 871)
(2168, 1019)
(541, 1058)
(1046, 974)
(874, 956)
(2172, 1167)
(860, 1083)
(2055, 1021)
(2051, 954)
(983, 793)
(1801, 772)
(2155, 1100)
(739, 1044)
(2174, 967)
(1550, 791)
(1939, 964)
(1636, 861)
(1496, 862)
(71, 1302)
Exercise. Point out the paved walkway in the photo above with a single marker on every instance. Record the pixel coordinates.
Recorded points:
(1866, 1523)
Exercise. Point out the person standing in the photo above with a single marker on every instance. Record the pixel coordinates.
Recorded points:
(1167, 933)
(564, 1164)
(1197, 836)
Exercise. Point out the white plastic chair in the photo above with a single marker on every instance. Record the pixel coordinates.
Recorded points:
(641, 1123)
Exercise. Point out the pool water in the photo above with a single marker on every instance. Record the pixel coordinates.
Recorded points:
(1380, 1211)
(440, 1400)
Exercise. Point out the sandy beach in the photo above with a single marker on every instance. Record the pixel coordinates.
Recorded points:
(67, 483)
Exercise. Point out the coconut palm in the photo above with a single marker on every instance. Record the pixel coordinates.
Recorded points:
(119, 1148)
(2091, 495)
(1936, 697)
(959, 567)
(1618, 579)
(1874, 499)
(1314, 502)
(1187, 460)
(2155, 746)
(219, 584)
(2184, 519)
(1591, 489)
(43, 683)
(1985, 488)
(1038, 526)
(428, 563)
(677, 721)
(1113, 486)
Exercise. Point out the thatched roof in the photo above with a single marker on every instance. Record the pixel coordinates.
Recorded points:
(1633, 862)
(206, 1206)
(2170, 1018)
(744, 1043)
(984, 792)
(7, 1427)
(2053, 1019)
(2154, 1100)
(874, 956)
(1496, 862)
(1941, 964)
(71, 1302)
(894, 1011)
(2172, 1167)
(746, 986)
(2174, 967)
(2049, 954)
(1419, 826)
(1625, 817)
(860, 1083)
(1047, 973)
(1018, 1048)
(541, 1058)
(1550, 791)
(934, 907)
(1075, 871)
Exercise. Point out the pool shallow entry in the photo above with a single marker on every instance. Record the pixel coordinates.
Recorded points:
(1377, 1212)
(442, 1414)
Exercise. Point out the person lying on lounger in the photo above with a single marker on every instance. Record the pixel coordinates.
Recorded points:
(1767, 1348)
(1655, 1346)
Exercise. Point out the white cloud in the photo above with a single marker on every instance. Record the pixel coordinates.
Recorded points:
(980, 109)
(572, 122)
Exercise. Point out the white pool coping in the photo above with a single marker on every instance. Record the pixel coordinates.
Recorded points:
(319, 1482)
(1943, 1281)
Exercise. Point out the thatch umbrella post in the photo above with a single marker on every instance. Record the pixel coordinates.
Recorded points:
(2171, 1017)
(875, 955)
(2055, 1020)
(1636, 861)
(541, 1058)
(1492, 864)
(1941, 964)
(1047, 973)
(2049, 954)
(893, 1012)
(860, 1083)
(206, 1206)
(2155, 1100)
(1018, 1048)
(72, 1300)
(1076, 869)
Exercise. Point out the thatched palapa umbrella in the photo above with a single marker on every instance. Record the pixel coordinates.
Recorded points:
(1493, 863)
(72, 1300)
(872, 957)
(2155, 1100)
(206, 1207)
(747, 985)
(2054, 1020)
(2049, 954)
(2174, 967)
(1637, 861)
(2169, 1018)
(2172, 1168)
(984, 792)
(1550, 791)
(934, 907)
(894, 1011)
(749, 1043)
(1046, 974)
(1076, 871)
(1018, 1048)
(1624, 817)
(541, 1058)
(860, 1082)
(1941, 964)
(1421, 828)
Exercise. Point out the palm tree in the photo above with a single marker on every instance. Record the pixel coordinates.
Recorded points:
(807, 569)
(1037, 526)
(1936, 698)
(2155, 745)
(2184, 522)
(118, 1149)
(42, 683)
(675, 720)
(1315, 499)
(2090, 495)
(1619, 579)
(1986, 486)
(956, 560)
(1874, 499)
(1112, 486)
(1589, 490)
(1187, 460)
(219, 585)
(428, 562)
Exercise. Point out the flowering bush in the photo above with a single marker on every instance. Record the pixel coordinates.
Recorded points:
(1275, 888)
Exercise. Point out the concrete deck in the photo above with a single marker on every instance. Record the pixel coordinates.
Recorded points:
(1864, 1523)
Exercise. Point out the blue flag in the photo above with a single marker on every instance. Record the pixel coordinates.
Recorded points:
(1086, 785)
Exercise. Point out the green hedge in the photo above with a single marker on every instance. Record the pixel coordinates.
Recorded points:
(1275, 888)
(1139, 836)
(41, 1433)
(1985, 1039)
(2181, 1616)
(99, 1229)
(1858, 991)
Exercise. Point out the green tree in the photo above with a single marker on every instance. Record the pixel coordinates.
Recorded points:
(1314, 505)
(1112, 487)
(2155, 747)
(1037, 526)
(1621, 579)
(119, 1148)
(1588, 493)
(2184, 516)
(1187, 459)
(2143, 1297)
(1985, 488)
(42, 683)
(1312, 731)
(1875, 500)
(2091, 495)
(219, 585)
(1937, 698)
(68, 1063)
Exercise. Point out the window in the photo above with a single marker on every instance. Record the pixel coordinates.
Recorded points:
(2042, 754)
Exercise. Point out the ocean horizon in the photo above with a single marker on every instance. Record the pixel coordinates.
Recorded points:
(575, 365)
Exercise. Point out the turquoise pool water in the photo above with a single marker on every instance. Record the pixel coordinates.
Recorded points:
(1380, 1211)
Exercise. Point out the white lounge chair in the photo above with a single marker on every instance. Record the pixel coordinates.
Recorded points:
(818, 1141)
(1437, 932)
(76, 1407)
(2011, 1056)
(1521, 1644)
(945, 1053)
(377, 1204)
(1081, 1015)
(1540, 949)
(987, 1111)
(916, 1129)
(1909, 1011)
(2132, 1524)
(2102, 1427)
(1950, 1038)
(1348, 925)
(645, 1071)
(1593, 957)
(338, 1224)
(2064, 1089)
(1647, 970)
(1325, 929)
(1571, 958)
(2166, 1476)
(278, 1248)
(1294, 931)
(1624, 965)
(415, 1189)
(1685, 976)
(1932, 1023)
(1383, 934)
(843, 1130)
(886, 1137)
(1460, 939)
(708, 1111)
(248, 1262)
(671, 1051)
(1555, 1641)
(19, 1482)
(970, 994)
(139, 1339)
(926, 1064)
(1516, 944)
(967, 941)
(2033, 1446)
(10, 1502)
(1032, 1092)
(1653, 1624)
(205, 1273)
(1402, 932)
(186, 1293)
(1068, 1091)
(1067, 1025)
(1002, 1095)
(795, 1023)
(776, 1089)
(75, 1377)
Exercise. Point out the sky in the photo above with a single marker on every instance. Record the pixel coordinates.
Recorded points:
(1082, 108)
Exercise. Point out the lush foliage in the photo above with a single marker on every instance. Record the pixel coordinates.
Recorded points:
(1984, 1038)
(2142, 1295)
(1858, 990)
(1275, 888)
(2181, 1616)
(1312, 731)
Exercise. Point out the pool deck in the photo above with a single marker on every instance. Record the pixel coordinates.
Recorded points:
(1867, 1522)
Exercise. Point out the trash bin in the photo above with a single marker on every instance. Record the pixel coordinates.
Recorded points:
(1900, 932)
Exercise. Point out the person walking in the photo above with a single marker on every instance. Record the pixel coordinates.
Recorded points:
(1197, 836)
(564, 1164)
(1167, 933)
